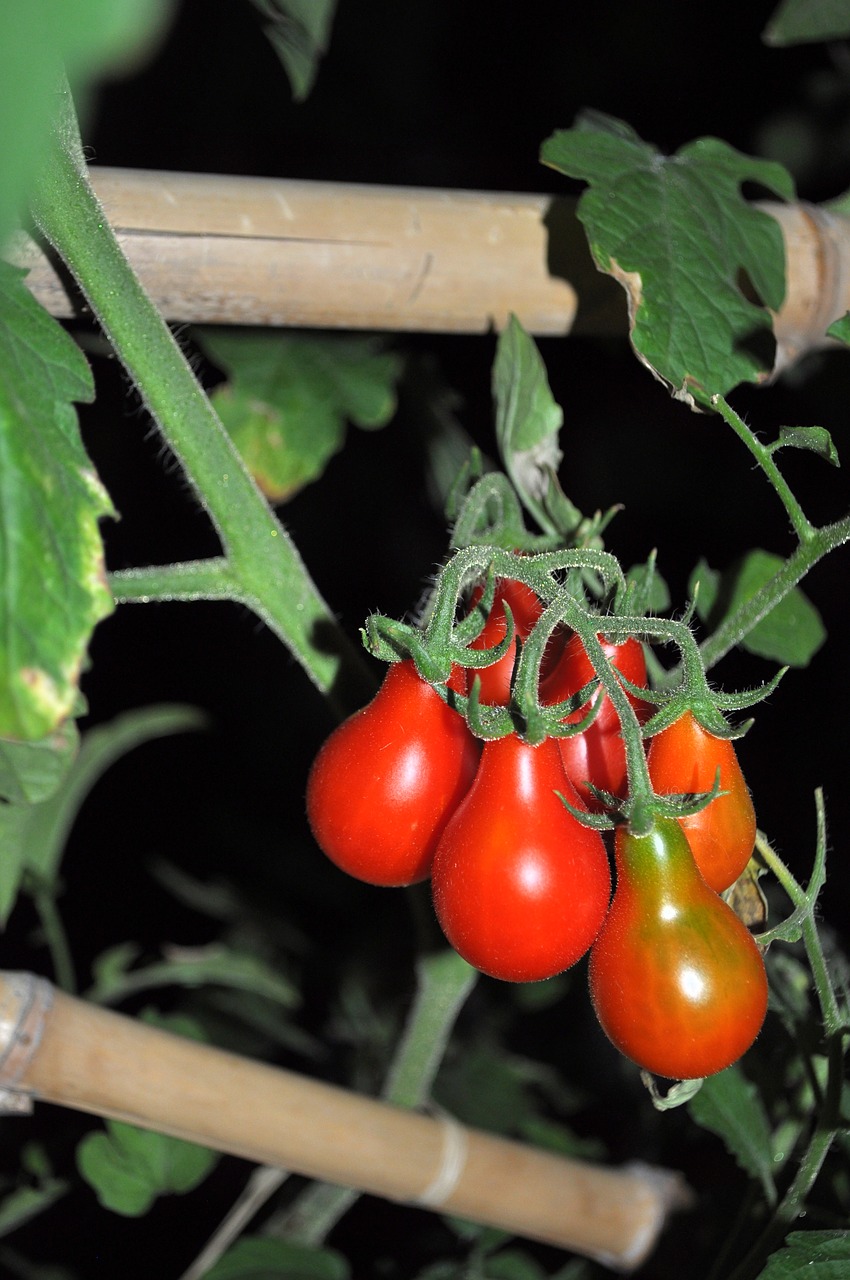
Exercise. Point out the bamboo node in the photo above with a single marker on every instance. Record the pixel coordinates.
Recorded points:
(452, 1164)
(25, 1001)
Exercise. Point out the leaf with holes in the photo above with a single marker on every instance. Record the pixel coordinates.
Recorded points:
(676, 232)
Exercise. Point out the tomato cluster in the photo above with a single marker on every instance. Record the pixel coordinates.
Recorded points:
(403, 791)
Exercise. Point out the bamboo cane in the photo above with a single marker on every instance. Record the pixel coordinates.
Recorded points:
(263, 251)
(59, 1049)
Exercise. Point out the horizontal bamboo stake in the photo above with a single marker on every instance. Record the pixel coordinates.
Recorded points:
(264, 251)
(66, 1051)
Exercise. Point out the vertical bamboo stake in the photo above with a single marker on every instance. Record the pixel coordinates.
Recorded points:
(66, 1051)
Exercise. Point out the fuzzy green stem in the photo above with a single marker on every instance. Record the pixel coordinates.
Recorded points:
(44, 900)
(444, 983)
(740, 623)
(263, 561)
(764, 457)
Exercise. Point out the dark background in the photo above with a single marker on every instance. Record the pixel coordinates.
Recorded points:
(446, 95)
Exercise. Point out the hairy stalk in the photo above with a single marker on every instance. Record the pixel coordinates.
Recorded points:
(264, 565)
(764, 457)
(738, 624)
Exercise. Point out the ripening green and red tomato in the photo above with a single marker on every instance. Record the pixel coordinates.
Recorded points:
(676, 980)
(387, 780)
(597, 755)
(684, 759)
(520, 886)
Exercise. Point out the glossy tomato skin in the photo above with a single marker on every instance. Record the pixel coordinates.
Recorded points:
(684, 758)
(520, 886)
(526, 607)
(385, 783)
(598, 755)
(677, 982)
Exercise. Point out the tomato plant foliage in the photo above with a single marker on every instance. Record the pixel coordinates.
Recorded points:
(545, 747)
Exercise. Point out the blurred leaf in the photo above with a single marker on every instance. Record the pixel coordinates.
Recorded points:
(552, 1136)
(299, 31)
(676, 233)
(288, 397)
(33, 836)
(195, 967)
(51, 501)
(840, 329)
(802, 21)
(31, 771)
(513, 1264)
(485, 1089)
(790, 634)
(128, 1167)
(51, 821)
(528, 421)
(37, 37)
(264, 1258)
(26, 1202)
(810, 1255)
(729, 1105)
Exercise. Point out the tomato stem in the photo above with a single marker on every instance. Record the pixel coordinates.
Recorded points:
(264, 567)
(764, 457)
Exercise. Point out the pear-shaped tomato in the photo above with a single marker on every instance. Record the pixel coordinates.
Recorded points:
(677, 982)
(387, 780)
(520, 885)
(683, 759)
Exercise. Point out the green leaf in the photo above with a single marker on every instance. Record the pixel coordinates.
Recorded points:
(801, 21)
(299, 31)
(790, 634)
(50, 500)
(815, 439)
(677, 234)
(128, 1167)
(810, 1255)
(288, 397)
(31, 771)
(36, 38)
(264, 1258)
(840, 329)
(216, 965)
(729, 1105)
(528, 419)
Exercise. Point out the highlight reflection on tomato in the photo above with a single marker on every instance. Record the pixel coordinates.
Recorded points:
(677, 982)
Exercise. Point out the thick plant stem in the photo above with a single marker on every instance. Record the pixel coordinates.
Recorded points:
(261, 558)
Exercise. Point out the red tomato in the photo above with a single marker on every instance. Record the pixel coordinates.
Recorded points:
(387, 780)
(597, 755)
(520, 886)
(526, 608)
(684, 758)
(677, 982)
